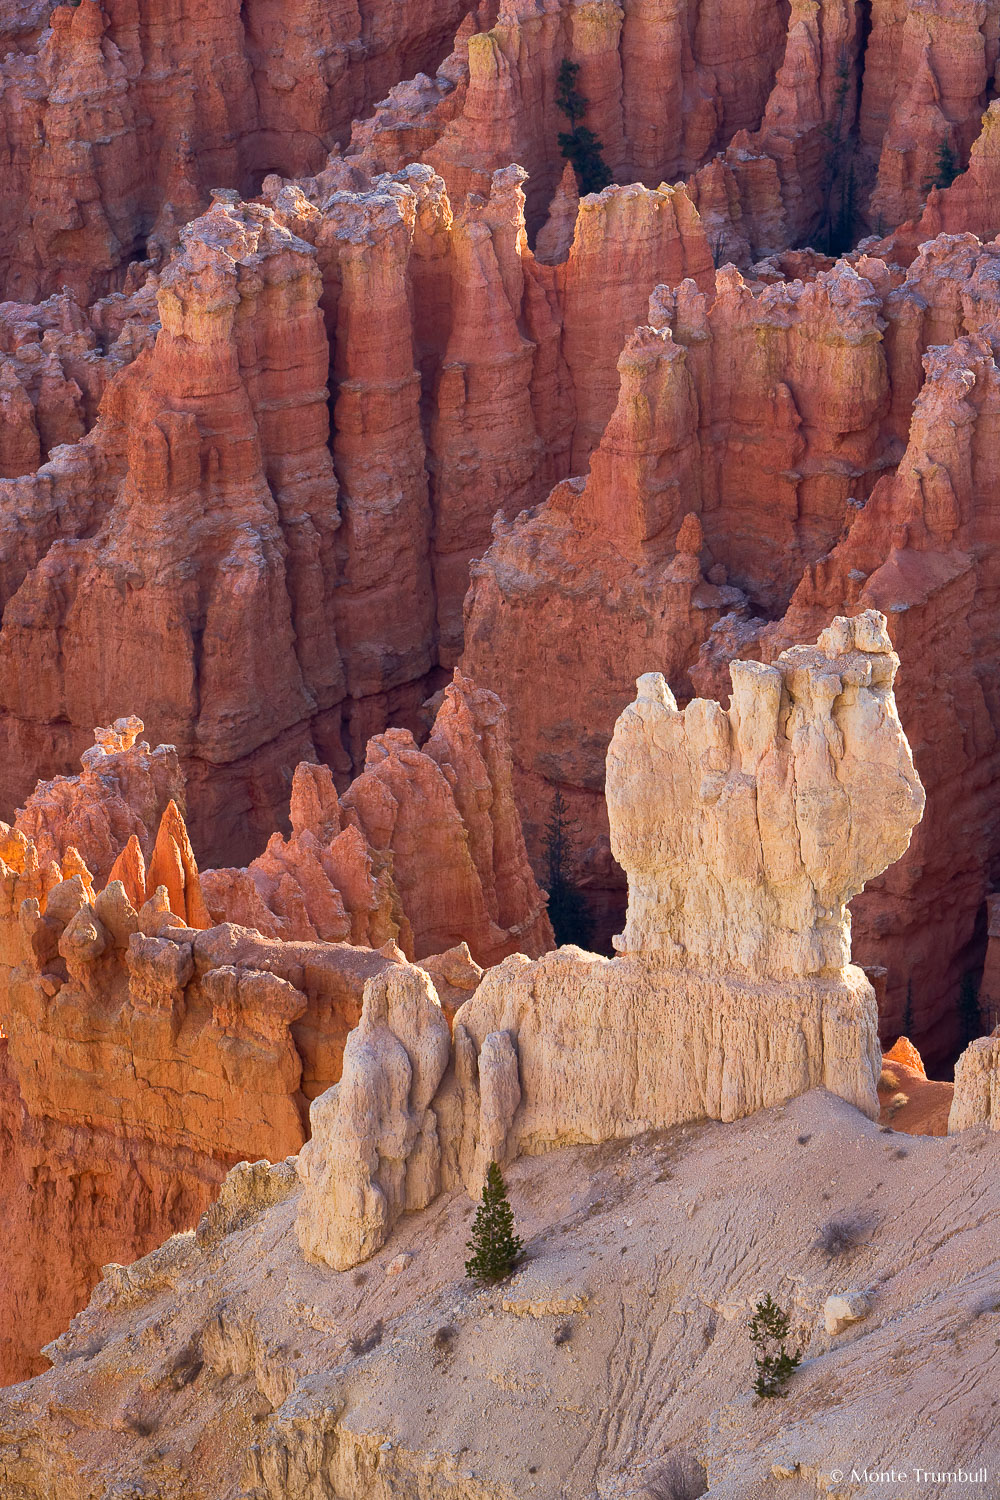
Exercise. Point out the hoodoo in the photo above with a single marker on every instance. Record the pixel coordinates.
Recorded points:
(743, 834)
(517, 480)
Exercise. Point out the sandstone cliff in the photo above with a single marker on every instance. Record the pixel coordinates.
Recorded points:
(119, 118)
(468, 376)
(212, 459)
(720, 417)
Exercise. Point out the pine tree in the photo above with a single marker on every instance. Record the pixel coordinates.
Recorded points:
(567, 909)
(568, 97)
(946, 167)
(578, 144)
(769, 1327)
(907, 1030)
(495, 1248)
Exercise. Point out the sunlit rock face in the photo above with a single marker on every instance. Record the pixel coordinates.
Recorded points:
(743, 832)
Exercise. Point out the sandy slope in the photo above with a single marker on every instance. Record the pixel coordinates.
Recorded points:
(226, 1369)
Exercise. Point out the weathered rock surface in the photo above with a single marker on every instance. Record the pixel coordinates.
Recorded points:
(231, 1362)
(105, 159)
(922, 551)
(436, 427)
(722, 416)
(159, 1023)
(728, 408)
(425, 848)
(845, 1308)
(121, 794)
(212, 511)
(374, 1150)
(743, 834)
(977, 1086)
(212, 458)
(141, 1059)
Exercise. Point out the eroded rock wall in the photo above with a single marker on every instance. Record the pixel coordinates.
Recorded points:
(704, 442)
(119, 118)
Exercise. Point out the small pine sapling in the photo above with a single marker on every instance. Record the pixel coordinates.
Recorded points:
(494, 1247)
(769, 1329)
(946, 167)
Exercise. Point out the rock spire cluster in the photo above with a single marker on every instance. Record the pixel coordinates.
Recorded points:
(159, 1024)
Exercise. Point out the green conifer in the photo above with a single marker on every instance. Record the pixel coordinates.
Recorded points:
(769, 1329)
(567, 908)
(946, 167)
(579, 145)
(495, 1248)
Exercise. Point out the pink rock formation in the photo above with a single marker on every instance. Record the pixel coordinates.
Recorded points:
(140, 1060)
(922, 550)
(151, 1038)
(120, 798)
(219, 526)
(941, 58)
(105, 162)
(968, 205)
(910, 1101)
(425, 848)
(447, 817)
(187, 533)
(744, 833)
(725, 413)
(748, 414)
(210, 461)
(665, 90)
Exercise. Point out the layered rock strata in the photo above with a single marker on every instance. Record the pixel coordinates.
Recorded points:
(142, 1058)
(437, 430)
(212, 460)
(806, 122)
(425, 848)
(807, 125)
(744, 833)
(159, 1024)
